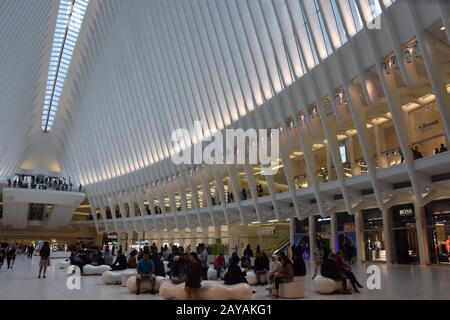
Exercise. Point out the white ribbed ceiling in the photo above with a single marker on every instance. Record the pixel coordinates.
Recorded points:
(144, 68)
(25, 37)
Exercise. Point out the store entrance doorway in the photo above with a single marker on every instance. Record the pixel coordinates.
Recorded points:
(404, 234)
(405, 240)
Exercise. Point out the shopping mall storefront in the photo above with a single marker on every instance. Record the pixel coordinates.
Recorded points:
(323, 231)
(438, 231)
(373, 235)
(404, 234)
(346, 235)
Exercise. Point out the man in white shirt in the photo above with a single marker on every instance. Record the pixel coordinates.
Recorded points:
(274, 267)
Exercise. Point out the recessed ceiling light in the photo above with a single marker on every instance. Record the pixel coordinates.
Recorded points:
(442, 28)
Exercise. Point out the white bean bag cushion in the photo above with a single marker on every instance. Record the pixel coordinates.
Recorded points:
(63, 265)
(293, 290)
(145, 285)
(251, 278)
(127, 274)
(326, 285)
(212, 274)
(115, 277)
(111, 277)
(95, 270)
(210, 290)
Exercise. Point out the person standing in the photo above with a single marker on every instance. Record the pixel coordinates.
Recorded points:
(261, 266)
(203, 259)
(298, 261)
(3, 249)
(44, 253)
(30, 251)
(248, 251)
(194, 277)
(11, 256)
(318, 257)
(108, 258)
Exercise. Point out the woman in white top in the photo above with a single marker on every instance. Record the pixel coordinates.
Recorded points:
(274, 267)
(318, 257)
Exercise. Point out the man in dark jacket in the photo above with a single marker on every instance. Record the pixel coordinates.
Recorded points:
(121, 262)
(330, 270)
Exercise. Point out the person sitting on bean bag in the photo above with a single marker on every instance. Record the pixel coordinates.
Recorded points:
(234, 274)
(121, 261)
(330, 269)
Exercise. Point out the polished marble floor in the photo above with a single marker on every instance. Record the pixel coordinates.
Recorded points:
(397, 282)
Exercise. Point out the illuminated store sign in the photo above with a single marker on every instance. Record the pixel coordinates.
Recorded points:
(406, 212)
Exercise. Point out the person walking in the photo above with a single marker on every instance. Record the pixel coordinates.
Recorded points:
(44, 253)
(3, 249)
(30, 251)
(10, 256)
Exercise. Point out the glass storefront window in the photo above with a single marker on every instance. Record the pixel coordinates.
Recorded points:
(301, 236)
(438, 225)
(346, 236)
(323, 230)
(374, 245)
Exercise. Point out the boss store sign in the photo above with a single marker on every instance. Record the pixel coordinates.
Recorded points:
(403, 215)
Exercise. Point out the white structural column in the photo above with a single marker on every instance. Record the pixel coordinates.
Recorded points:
(359, 236)
(387, 235)
(421, 234)
(312, 241)
(333, 224)
(291, 231)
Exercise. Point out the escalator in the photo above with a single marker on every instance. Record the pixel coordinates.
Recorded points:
(282, 245)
